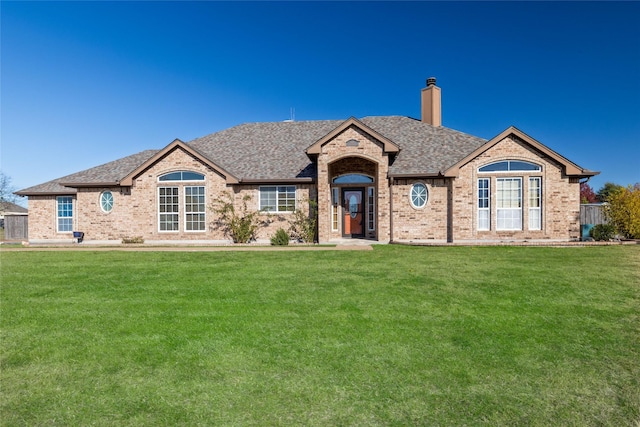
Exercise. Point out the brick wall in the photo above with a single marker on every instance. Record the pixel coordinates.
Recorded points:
(560, 196)
(427, 223)
(42, 219)
(135, 209)
(367, 157)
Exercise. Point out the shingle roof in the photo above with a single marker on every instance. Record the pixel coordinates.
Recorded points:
(108, 173)
(10, 207)
(424, 149)
(272, 150)
(276, 151)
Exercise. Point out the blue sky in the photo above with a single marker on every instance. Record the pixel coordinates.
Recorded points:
(84, 83)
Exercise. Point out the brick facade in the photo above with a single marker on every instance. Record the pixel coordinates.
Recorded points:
(353, 151)
(450, 214)
(560, 196)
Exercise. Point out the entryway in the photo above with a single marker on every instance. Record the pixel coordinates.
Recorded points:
(353, 212)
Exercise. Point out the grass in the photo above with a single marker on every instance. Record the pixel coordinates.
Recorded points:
(395, 336)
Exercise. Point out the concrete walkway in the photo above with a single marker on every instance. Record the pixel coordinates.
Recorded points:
(190, 247)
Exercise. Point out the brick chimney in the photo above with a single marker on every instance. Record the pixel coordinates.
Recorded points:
(431, 104)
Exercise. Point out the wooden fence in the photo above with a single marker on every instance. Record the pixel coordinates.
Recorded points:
(592, 213)
(16, 227)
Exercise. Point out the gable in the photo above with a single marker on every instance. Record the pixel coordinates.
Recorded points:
(568, 168)
(388, 146)
(162, 154)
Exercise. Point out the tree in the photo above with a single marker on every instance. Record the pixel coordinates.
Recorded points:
(606, 190)
(623, 210)
(587, 194)
(6, 189)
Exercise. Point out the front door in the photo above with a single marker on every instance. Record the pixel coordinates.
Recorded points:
(353, 212)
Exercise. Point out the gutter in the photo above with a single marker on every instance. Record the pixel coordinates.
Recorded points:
(276, 181)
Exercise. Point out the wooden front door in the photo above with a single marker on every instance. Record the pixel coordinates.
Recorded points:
(353, 212)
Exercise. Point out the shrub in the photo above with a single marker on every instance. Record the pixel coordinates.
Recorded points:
(132, 240)
(602, 232)
(303, 225)
(240, 226)
(623, 211)
(281, 238)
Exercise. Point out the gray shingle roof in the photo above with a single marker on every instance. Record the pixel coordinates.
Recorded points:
(272, 150)
(424, 149)
(10, 207)
(111, 172)
(276, 150)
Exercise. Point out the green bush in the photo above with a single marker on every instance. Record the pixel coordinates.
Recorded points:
(281, 238)
(602, 232)
(241, 225)
(303, 224)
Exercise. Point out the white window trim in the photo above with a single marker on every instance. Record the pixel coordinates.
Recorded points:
(72, 217)
(488, 208)
(519, 209)
(181, 180)
(539, 208)
(177, 230)
(113, 201)
(511, 171)
(187, 213)
(277, 210)
(426, 201)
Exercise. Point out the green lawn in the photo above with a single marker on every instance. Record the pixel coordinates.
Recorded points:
(395, 336)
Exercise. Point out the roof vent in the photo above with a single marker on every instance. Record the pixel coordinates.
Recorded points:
(431, 81)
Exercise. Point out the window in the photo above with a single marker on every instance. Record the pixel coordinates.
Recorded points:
(510, 166)
(535, 199)
(371, 209)
(335, 201)
(106, 201)
(353, 178)
(65, 214)
(194, 207)
(168, 207)
(182, 176)
(418, 195)
(484, 212)
(509, 203)
(278, 199)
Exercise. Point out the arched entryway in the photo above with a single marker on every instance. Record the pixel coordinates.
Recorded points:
(353, 187)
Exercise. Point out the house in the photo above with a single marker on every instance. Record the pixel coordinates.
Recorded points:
(382, 178)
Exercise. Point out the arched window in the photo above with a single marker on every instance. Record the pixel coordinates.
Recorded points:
(510, 166)
(353, 178)
(181, 176)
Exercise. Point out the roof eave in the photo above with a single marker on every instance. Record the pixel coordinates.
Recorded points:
(275, 180)
(70, 192)
(416, 175)
(90, 184)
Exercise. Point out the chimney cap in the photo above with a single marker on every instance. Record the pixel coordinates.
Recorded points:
(431, 81)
